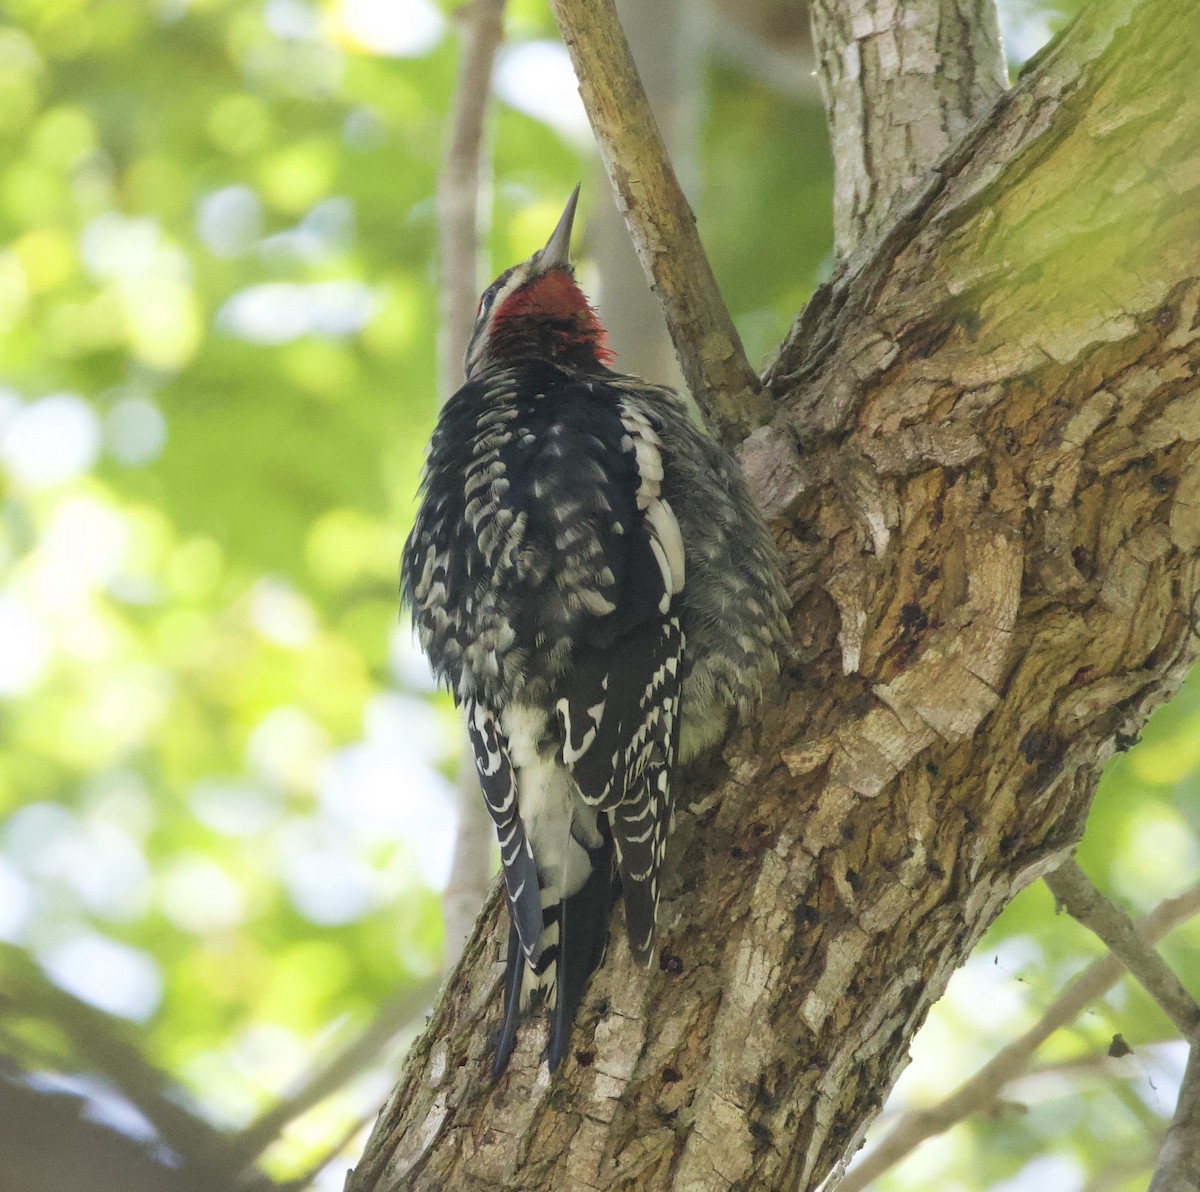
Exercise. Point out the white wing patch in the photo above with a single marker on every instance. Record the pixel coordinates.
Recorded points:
(667, 544)
(665, 539)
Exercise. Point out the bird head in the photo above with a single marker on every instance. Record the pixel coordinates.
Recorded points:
(535, 311)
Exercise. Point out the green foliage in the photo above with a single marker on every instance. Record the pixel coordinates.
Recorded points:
(224, 796)
(217, 763)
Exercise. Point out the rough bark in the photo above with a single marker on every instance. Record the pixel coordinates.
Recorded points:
(902, 80)
(992, 531)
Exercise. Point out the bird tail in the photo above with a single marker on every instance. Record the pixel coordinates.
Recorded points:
(574, 939)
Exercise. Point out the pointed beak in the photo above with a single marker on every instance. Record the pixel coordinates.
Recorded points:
(557, 253)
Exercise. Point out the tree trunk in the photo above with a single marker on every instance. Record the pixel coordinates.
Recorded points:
(902, 83)
(982, 469)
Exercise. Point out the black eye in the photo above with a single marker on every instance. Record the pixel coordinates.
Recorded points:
(489, 295)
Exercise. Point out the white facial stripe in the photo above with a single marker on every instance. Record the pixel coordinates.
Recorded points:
(486, 318)
(516, 279)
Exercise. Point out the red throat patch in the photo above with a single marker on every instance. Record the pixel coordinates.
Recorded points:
(555, 298)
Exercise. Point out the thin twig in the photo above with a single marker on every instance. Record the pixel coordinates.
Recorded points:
(982, 1089)
(660, 221)
(331, 1076)
(481, 23)
(458, 209)
(1074, 891)
(1179, 1162)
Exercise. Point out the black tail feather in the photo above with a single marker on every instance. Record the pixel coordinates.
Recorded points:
(583, 938)
(582, 922)
(514, 974)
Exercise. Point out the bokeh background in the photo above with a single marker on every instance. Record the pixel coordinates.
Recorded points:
(227, 803)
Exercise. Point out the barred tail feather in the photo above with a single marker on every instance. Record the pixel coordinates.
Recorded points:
(574, 940)
(526, 983)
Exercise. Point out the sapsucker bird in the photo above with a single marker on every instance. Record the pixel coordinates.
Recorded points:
(589, 576)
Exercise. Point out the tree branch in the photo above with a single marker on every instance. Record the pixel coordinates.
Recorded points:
(1179, 1162)
(902, 83)
(481, 29)
(668, 49)
(1074, 891)
(458, 209)
(982, 1090)
(660, 220)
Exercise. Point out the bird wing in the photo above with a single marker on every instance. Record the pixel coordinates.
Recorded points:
(498, 780)
(620, 556)
(623, 760)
